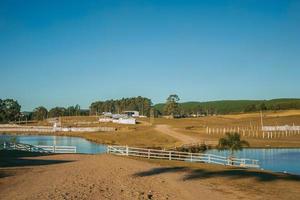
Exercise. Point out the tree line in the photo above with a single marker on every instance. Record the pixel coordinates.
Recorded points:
(10, 109)
(41, 113)
(226, 106)
(141, 104)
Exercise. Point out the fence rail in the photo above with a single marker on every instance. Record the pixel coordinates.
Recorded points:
(38, 148)
(182, 156)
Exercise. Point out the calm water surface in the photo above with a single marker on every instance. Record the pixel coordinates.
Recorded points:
(277, 160)
(82, 145)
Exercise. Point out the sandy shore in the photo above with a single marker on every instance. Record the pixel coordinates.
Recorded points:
(112, 177)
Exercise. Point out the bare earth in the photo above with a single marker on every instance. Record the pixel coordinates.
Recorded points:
(97, 177)
(112, 177)
(184, 139)
(166, 129)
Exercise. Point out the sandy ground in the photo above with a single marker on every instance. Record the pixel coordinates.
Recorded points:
(113, 177)
(96, 177)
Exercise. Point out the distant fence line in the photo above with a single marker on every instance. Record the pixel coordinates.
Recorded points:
(48, 129)
(281, 128)
(265, 132)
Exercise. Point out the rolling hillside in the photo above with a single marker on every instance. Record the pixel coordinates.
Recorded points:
(237, 106)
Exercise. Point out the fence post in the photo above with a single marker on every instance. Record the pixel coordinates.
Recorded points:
(191, 157)
(126, 150)
(208, 158)
(4, 145)
(170, 155)
(148, 153)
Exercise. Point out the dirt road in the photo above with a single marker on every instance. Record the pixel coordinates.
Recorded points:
(184, 139)
(166, 129)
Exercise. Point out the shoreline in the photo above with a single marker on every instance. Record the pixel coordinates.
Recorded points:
(80, 135)
(114, 177)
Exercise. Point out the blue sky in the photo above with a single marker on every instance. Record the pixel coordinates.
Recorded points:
(60, 53)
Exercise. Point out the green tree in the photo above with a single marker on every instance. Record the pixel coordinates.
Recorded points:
(40, 113)
(2, 111)
(263, 106)
(232, 142)
(73, 110)
(57, 112)
(9, 110)
(250, 108)
(172, 106)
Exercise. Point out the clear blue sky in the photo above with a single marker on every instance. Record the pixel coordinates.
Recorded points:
(60, 53)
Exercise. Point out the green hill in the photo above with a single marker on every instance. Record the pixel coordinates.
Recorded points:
(236, 106)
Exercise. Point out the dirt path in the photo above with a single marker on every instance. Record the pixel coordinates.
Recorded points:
(99, 177)
(185, 139)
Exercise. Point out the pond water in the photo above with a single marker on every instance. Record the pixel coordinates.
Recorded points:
(82, 145)
(276, 159)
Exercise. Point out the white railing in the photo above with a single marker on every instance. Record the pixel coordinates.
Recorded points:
(58, 149)
(38, 148)
(182, 156)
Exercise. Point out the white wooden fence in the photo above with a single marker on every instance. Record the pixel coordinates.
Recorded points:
(181, 156)
(38, 148)
(58, 149)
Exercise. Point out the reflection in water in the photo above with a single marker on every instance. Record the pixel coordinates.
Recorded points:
(82, 145)
(277, 159)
